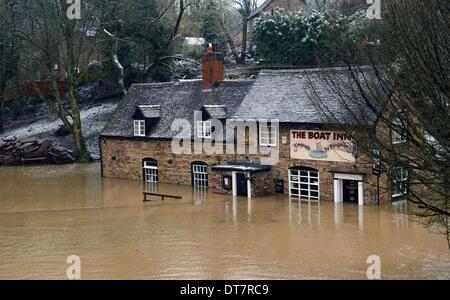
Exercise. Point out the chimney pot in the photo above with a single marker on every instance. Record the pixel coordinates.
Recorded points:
(213, 67)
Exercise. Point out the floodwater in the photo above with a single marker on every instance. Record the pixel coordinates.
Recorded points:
(48, 213)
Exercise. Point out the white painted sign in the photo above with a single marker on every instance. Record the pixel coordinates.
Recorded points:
(322, 145)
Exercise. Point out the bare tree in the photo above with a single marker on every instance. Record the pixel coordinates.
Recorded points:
(8, 51)
(245, 8)
(402, 77)
(57, 45)
(180, 7)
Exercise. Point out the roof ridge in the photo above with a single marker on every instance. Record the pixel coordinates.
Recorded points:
(308, 70)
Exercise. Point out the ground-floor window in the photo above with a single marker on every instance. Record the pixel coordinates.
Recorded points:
(150, 170)
(399, 181)
(199, 174)
(304, 183)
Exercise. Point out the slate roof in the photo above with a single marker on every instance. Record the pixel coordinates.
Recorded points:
(291, 96)
(284, 95)
(150, 111)
(216, 111)
(177, 100)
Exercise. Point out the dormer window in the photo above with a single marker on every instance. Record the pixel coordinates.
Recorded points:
(204, 129)
(139, 128)
(145, 117)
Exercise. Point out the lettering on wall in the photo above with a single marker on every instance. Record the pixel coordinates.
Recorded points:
(322, 145)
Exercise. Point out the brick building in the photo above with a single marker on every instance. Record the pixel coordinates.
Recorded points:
(294, 151)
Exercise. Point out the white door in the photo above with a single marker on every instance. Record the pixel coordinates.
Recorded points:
(304, 184)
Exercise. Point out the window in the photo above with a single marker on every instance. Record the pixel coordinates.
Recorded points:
(399, 181)
(398, 131)
(268, 135)
(304, 184)
(227, 182)
(204, 129)
(139, 127)
(150, 170)
(200, 174)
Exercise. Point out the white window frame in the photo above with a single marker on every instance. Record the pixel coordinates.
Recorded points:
(400, 181)
(304, 184)
(204, 129)
(139, 128)
(151, 171)
(268, 138)
(396, 136)
(200, 175)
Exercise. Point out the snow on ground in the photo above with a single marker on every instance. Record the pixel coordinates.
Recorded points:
(94, 118)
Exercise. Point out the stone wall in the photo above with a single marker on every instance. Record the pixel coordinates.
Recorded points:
(262, 184)
(216, 183)
(122, 158)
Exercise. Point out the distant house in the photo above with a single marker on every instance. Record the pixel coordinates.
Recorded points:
(313, 159)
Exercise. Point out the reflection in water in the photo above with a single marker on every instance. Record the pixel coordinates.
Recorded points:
(249, 209)
(200, 196)
(400, 216)
(235, 209)
(308, 212)
(49, 213)
(338, 213)
(361, 217)
(150, 187)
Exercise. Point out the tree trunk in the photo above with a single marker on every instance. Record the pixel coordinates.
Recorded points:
(119, 74)
(234, 50)
(1, 115)
(2, 106)
(82, 153)
(244, 40)
(172, 37)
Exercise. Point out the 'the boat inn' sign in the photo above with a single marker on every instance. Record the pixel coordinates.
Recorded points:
(322, 145)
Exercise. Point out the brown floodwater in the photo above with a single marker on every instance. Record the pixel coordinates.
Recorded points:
(48, 213)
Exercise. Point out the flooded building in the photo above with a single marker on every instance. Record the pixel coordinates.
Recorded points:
(240, 137)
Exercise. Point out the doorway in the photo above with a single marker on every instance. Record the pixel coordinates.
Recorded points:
(242, 188)
(350, 191)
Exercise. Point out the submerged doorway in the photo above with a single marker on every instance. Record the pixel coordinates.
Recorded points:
(242, 185)
(350, 191)
(349, 187)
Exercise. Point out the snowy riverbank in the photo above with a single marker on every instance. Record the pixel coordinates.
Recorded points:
(94, 118)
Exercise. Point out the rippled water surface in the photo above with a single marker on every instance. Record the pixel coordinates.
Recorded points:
(49, 213)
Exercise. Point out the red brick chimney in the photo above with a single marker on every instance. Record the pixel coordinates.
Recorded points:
(213, 67)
